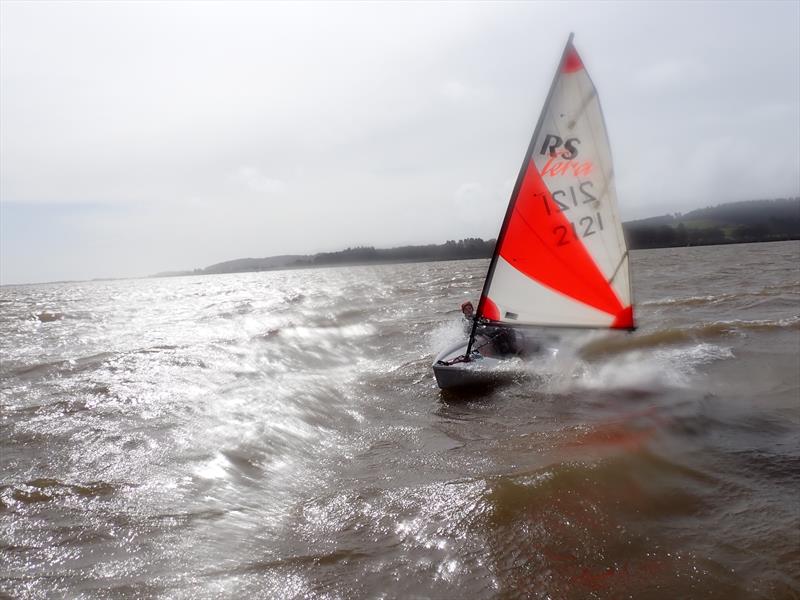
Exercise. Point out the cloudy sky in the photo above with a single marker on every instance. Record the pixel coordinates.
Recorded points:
(144, 137)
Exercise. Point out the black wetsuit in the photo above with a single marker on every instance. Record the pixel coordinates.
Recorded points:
(503, 339)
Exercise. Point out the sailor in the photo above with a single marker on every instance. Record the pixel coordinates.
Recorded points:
(468, 314)
(503, 339)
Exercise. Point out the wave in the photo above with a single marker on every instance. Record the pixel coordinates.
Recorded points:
(46, 490)
(230, 312)
(765, 293)
(48, 316)
(688, 301)
(567, 517)
(628, 374)
(352, 314)
(297, 298)
(329, 332)
(681, 335)
(72, 365)
(156, 349)
(81, 364)
(781, 468)
(636, 478)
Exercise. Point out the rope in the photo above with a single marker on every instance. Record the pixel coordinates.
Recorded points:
(464, 358)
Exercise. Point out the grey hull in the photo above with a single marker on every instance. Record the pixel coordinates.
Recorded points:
(479, 371)
(483, 370)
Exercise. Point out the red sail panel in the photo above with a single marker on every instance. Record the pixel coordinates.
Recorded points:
(572, 62)
(541, 243)
(624, 320)
(489, 309)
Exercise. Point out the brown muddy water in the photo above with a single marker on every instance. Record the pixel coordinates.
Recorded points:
(280, 435)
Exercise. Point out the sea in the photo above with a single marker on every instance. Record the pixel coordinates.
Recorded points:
(280, 435)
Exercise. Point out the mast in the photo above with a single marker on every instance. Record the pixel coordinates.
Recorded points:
(513, 200)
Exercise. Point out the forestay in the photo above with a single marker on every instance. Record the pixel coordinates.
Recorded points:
(561, 258)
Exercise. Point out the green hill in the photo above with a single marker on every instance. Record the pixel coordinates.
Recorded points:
(749, 221)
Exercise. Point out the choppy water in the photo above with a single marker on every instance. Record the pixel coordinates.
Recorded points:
(280, 435)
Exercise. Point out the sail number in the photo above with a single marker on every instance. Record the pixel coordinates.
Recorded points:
(562, 203)
(586, 226)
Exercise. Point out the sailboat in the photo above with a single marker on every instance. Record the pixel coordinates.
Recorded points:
(560, 260)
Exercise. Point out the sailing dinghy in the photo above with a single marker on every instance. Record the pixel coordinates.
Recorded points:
(560, 259)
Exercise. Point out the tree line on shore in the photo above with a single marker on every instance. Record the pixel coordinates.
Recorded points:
(450, 250)
(736, 222)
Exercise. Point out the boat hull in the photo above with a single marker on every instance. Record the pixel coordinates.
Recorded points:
(480, 370)
(486, 367)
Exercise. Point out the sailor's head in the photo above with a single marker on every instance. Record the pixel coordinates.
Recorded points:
(467, 308)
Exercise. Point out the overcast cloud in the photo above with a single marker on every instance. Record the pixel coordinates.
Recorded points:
(143, 137)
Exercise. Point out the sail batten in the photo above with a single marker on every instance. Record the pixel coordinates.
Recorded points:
(561, 258)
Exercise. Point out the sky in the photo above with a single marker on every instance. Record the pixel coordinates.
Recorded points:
(139, 137)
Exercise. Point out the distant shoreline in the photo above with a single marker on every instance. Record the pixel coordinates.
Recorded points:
(755, 221)
(736, 222)
(387, 261)
(346, 264)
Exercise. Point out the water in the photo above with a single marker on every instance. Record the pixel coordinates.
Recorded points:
(280, 435)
